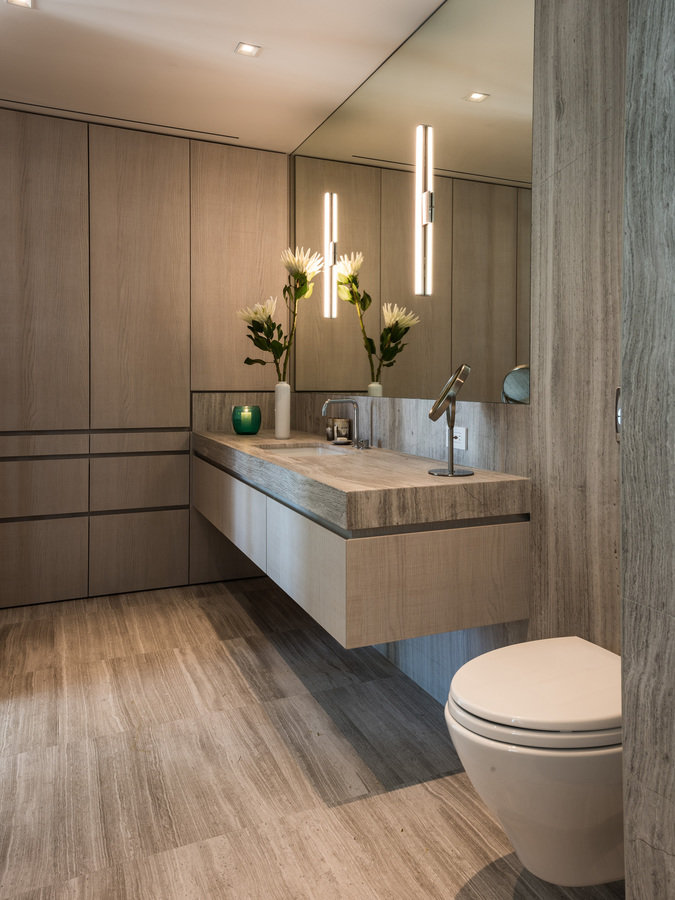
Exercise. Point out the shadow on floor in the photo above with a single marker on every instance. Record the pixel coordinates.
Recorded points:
(396, 731)
(506, 879)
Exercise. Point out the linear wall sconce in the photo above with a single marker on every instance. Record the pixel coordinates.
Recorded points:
(330, 238)
(424, 209)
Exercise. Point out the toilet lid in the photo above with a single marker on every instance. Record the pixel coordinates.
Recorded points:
(557, 684)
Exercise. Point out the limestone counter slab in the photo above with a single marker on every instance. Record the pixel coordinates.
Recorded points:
(358, 491)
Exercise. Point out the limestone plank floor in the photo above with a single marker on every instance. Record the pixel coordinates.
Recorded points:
(213, 742)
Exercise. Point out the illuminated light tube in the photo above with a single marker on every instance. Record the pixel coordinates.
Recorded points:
(424, 209)
(330, 237)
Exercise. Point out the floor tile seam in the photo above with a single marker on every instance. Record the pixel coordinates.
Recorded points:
(84, 739)
(127, 862)
(168, 649)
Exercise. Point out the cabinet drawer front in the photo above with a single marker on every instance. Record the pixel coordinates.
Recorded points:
(308, 562)
(43, 487)
(237, 510)
(140, 441)
(138, 482)
(43, 560)
(44, 445)
(407, 585)
(138, 551)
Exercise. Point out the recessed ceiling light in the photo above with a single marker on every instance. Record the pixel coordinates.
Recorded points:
(28, 3)
(476, 97)
(247, 49)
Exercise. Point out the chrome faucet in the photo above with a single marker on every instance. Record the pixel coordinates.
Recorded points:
(360, 445)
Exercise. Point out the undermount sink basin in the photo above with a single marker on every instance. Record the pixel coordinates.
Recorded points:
(308, 451)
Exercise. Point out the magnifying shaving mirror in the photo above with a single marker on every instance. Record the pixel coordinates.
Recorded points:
(446, 403)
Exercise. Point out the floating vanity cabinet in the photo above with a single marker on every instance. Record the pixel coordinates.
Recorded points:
(239, 229)
(386, 588)
(237, 510)
(140, 279)
(44, 300)
(369, 544)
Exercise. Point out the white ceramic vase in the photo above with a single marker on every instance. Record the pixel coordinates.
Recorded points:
(374, 389)
(282, 410)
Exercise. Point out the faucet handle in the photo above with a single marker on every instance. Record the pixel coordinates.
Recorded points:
(363, 445)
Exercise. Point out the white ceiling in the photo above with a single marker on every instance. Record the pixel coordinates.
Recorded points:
(171, 65)
(467, 45)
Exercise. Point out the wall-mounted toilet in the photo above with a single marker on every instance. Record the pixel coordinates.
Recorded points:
(537, 727)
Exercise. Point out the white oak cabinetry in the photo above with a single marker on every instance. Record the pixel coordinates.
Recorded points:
(239, 229)
(44, 299)
(95, 254)
(140, 279)
(140, 352)
(44, 358)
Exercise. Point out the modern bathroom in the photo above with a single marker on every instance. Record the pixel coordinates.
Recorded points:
(337, 483)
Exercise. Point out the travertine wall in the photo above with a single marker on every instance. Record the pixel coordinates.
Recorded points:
(648, 453)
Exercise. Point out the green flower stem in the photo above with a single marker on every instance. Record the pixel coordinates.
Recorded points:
(365, 339)
(291, 337)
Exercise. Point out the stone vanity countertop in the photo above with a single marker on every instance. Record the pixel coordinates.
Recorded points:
(358, 490)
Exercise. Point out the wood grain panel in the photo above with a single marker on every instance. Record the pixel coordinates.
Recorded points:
(134, 482)
(648, 453)
(371, 590)
(484, 285)
(140, 441)
(417, 372)
(44, 303)
(43, 560)
(407, 585)
(329, 352)
(43, 487)
(239, 229)
(138, 551)
(523, 276)
(43, 444)
(140, 286)
(576, 264)
(236, 509)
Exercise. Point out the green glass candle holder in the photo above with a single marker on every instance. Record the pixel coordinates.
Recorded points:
(246, 419)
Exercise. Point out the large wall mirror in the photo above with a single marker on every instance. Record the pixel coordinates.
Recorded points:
(479, 309)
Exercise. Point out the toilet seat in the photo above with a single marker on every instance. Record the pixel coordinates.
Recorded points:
(557, 693)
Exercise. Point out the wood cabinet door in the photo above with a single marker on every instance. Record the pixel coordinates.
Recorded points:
(140, 279)
(239, 230)
(44, 300)
(484, 245)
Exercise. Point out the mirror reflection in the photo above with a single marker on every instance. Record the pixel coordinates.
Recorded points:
(364, 153)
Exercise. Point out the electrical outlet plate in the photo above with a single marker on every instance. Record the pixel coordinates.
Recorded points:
(459, 438)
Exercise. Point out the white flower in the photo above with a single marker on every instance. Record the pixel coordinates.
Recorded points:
(398, 316)
(260, 312)
(349, 265)
(301, 263)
